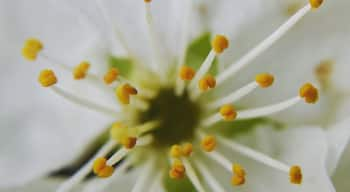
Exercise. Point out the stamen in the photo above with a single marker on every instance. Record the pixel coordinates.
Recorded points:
(309, 93)
(204, 68)
(177, 170)
(234, 96)
(101, 169)
(219, 43)
(193, 176)
(207, 82)
(47, 78)
(111, 76)
(208, 177)
(208, 143)
(85, 103)
(175, 151)
(31, 49)
(80, 71)
(228, 112)
(187, 149)
(124, 92)
(315, 3)
(85, 170)
(264, 80)
(187, 73)
(264, 45)
(294, 171)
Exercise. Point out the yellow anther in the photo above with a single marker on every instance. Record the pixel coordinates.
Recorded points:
(124, 91)
(111, 76)
(101, 168)
(295, 175)
(187, 149)
(175, 151)
(237, 180)
(309, 93)
(177, 170)
(315, 3)
(238, 170)
(128, 142)
(31, 49)
(219, 43)
(118, 131)
(47, 78)
(80, 71)
(147, 1)
(264, 80)
(187, 73)
(207, 82)
(228, 112)
(208, 143)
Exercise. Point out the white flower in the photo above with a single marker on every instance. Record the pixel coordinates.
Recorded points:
(155, 43)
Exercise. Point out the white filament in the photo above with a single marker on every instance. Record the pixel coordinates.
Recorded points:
(209, 178)
(191, 174)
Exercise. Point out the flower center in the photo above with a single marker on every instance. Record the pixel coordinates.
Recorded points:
(178, 117)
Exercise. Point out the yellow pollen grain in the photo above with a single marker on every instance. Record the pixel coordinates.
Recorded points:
(237, 180)
(295, 175)
(31, 48)
(129, 142)
(309, 93)
(187, 73)
(264, 80)
(208, 143)
(219, 43)
(315, 3)
(111, 76)
(238, 170)
(101, 169)
(177, 170)
(124, 92)
(47, 78)
(187, 149)
(207, 82)
(175, 151)
(80, 71)
(228, 112)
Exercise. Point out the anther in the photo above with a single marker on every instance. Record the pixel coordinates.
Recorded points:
(186, 73)
(111, 76)
(264, 80)
(208, 143)
(31, 49)
(175, 151)
(177, 170)
(128, 142)
(101, 168)
(315, 3)
(147, 1)
(187, 149)
(219, 43)
(295, 175)
(228, 112)
(238, 170)
(80, 71)
(124, 92)
(309, 93)
(47, 78)
(237, 181)
(207, 82)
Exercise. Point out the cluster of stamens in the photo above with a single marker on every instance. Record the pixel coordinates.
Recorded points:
(197, 82)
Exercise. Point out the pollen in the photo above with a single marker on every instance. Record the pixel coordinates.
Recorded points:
(31, 49)
(80, 71)
(175, 151)
(147, 1)
(187, 149)
(47, 78)
(315, 3)
(264, 80)
(208, 143)
(219, 43)
(237, 180)
(187, 73)
(228, 112)
(238, 170)
(207, 82)
(309, 93)
(295, 175)
(177, 170)
(101, 169)
(111, 76)
(124, 92)
(128, 142)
